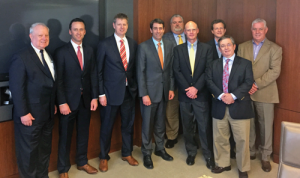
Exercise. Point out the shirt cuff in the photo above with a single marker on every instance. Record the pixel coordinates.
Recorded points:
(101, 95)
(233, 96)
(62, 104)
(220, 96)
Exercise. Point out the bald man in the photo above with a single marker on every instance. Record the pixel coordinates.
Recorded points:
(190, 61)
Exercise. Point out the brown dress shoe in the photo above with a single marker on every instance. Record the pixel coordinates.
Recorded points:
(103, 167)
(218, 169)
(130, 160)
(266, 166)
(88, 168)
(243, 174)
(64, 175)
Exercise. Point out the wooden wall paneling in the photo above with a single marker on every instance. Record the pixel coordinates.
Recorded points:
(8, 158)
(287, 37)
(238, 15)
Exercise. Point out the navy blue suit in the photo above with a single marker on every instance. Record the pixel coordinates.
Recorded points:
(33, 91)
(112, 83)
(76, 88)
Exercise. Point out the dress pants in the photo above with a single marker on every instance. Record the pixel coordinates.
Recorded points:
(221, 133)
(33, 148)
(108, 116)
(82, 117)
(153, 123)
(199, 111)
(172, 117)
(264, 113)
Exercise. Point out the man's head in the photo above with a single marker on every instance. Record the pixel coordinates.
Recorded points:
(120, 24)
(226, 46)
(218, 28)
(157, 28)
(77, 30)
(259, 30)
(39, 35)
(177, 24)
(191, 30)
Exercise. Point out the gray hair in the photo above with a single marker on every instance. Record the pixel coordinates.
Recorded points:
(226, 37)
(36, 24)
(258, 20)
(176, 15)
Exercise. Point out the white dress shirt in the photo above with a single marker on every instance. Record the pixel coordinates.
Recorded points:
(75, 46)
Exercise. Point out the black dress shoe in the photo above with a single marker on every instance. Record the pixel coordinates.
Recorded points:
(253, 157)
(148, 162)
(218, 170)
(210, 163)
(243, 174)
(190, 160)
(170, 143)
(164, 155)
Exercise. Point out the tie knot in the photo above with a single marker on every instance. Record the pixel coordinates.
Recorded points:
(179, 36)
(121, 40)
(192, 45)
(158, 44)
(227, 60)
(41, 51)
(78, 47)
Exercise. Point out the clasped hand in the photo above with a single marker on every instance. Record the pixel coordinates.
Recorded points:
(191, 92)
(227, 98)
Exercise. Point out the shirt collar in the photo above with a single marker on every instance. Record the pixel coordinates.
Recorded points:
(75, 46)
(195, 43)
(182, 35)
(231, 58)
(36, 50)
(216, 43)
(262, 42)
(156, 42)
(118, 38)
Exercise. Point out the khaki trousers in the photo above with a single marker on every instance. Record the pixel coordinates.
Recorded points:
(172, 117)
(264, 113)
(221, 133)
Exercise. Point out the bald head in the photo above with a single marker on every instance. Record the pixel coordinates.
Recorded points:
(191, 30)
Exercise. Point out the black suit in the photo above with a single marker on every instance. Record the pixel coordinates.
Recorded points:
(112, 84)
(240, 83)
(33, 91)
(193, 108)
(76, 88)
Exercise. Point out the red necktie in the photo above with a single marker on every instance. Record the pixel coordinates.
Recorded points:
(123, 54)
(79, 55)
(226, 76)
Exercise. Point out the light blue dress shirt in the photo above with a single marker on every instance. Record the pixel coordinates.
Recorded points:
(177, 38)
(161, 45)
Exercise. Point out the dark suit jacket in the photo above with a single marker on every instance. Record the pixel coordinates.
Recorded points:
(183, 72)
(215, 52)
(152, 79)
(71, 80)
(169, 36)
(239, 84)
(111, 72)
(33, 89)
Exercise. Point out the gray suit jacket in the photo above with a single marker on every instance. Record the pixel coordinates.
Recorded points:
(152, 79)
(169, 36)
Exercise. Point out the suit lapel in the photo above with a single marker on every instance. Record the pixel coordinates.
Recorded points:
(116, 51)
(264, 48)
(38, 62)
(73, 54)
(235, 65)
(220, 68)
(154, 51)
(198, 54)
(186, 56)
(172, 39)
(85, 58)
(131, 60)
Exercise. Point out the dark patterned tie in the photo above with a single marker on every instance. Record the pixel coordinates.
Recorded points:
(226, 76)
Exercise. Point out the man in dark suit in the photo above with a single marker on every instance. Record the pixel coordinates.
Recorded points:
(117, 89)
(218, 29)
(32, 84)
(229, 79)
(77, 96)
(177, 37)
(190, 61)
(156, 87)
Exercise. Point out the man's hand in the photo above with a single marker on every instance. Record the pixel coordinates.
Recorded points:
(191, 92)
(253, 89)
(103, 100)
(171, 95)
(94, 104)
(55, 109)
(227, 98)
(64, 109)
(27, 119)
(146, 100)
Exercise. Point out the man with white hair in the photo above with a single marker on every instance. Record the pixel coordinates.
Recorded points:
(32, 84)
(266, 59)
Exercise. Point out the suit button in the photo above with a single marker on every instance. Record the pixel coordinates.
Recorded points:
(191, 83)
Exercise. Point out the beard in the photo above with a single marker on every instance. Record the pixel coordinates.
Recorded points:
(177, 29)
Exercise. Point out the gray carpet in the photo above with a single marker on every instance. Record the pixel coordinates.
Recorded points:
(164, 169)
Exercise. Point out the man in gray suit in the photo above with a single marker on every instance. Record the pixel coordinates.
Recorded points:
(177, 37)
(156, 87)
